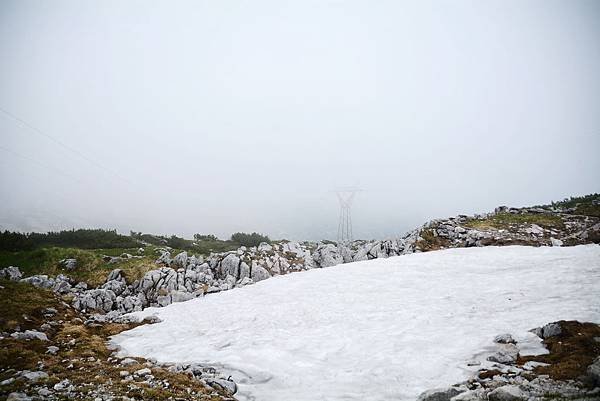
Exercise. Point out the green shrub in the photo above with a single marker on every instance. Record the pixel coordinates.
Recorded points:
(82, 238)
(246, 239)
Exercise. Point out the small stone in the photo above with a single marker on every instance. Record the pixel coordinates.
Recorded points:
(471, 395)
(551, 330)
(18, 397)
(44, 392)
(507, 393)
(49, 312)
(62, 385)
(440, 394)
(30, 335)
(142, 372)
(505, 339)
(128, 361)
(11, 272)
(69, 264)
(222, 384)
(7, 381)
(34, 376)
(507, 354)
(52, 350)
(556, 242)
(123, 373)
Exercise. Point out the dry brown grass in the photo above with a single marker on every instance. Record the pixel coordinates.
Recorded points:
(431, 242)
(571, 352)
(83, 357)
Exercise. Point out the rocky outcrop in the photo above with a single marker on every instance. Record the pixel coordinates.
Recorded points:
(183, 276)
(517, 378)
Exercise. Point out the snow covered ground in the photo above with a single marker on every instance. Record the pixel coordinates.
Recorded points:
(383, 329)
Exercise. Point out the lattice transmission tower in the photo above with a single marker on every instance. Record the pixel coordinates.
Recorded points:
(346, 197)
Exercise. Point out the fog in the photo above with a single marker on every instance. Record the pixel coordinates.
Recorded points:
(180, 117)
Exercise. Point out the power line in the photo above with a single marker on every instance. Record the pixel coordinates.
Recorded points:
(62, 144)
(43, 165)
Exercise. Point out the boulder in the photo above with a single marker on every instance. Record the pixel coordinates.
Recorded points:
(61, 287)
(34, 376)
(556, 242)
(440, 394)
(327, 255)
(39, 280)
(52, 350)
(180, 260)
(245, 281)
(142, 372)
(116, 274)
(224, 385)
(30, 335)
(505, 339)
(551, 330)
(507, 354)
(98, 299)
(11, 273)
(164, 258)
(264, 247)
(259, 273)
(116, 286)
(18, 397)
(175, 296)
(507, 393)
(244, 271)
(593, 371)
(229, 266)
(471, 395)
(70, 264)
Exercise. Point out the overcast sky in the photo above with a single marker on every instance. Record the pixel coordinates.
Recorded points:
(179, 117)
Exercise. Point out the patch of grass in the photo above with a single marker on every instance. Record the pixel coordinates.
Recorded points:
(83, 356)
(571, 352)
(20, 300)
(430, 241)
(508, 220)
(588, 210)
(91, 268)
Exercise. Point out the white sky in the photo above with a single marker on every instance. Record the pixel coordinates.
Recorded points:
(216, 117)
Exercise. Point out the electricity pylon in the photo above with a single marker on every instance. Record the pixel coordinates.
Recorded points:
(345, 196)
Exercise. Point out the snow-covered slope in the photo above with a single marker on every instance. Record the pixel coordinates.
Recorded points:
(384, 329)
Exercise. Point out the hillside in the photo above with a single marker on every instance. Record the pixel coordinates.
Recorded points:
(92, 287)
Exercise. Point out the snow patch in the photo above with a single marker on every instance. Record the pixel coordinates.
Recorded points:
(385, 329)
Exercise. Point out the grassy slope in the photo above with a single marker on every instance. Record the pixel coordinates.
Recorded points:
(91, 268)
(506, 220)
(22, 306)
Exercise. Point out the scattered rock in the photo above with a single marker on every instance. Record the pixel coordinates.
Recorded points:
(52, 350)
(62, 385)
(69, 264)
(11, 273)
(440, 394)
(593, 371)
(34, 376)
(506, 354)
(18, 397)
(225, 385)
(7, 381)
(44, 392)
(505, 339)
(550, 330)
(142, 372)
(506, 393)
(30, 335)
(128, 362)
